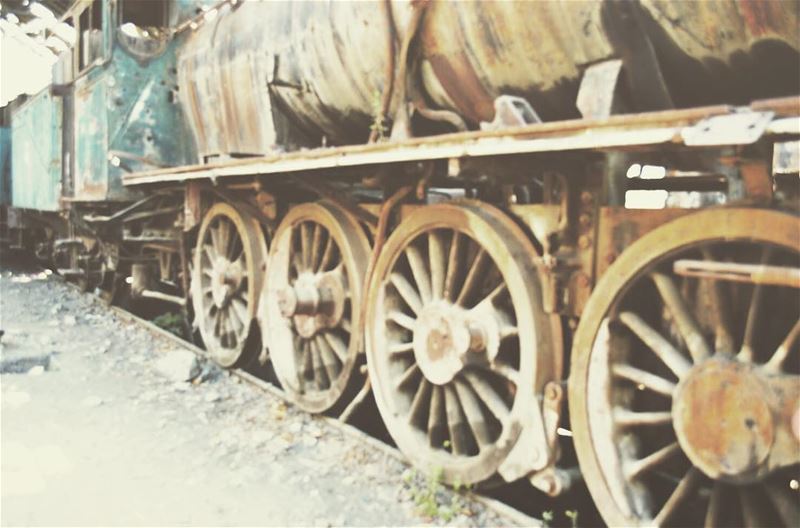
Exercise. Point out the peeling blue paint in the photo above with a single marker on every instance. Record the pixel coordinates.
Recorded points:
(36, 153)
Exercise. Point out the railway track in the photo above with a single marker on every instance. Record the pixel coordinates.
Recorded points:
(510, 513)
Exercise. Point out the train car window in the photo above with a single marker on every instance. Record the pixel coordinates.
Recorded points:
(142, 27)
(90, 35)
(144, 14)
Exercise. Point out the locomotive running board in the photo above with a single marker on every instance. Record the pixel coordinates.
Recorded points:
(617, 132)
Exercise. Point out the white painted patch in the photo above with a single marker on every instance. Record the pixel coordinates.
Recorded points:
(137, 112)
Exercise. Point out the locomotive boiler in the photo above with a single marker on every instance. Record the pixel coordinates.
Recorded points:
(287, 74)
(552, 241)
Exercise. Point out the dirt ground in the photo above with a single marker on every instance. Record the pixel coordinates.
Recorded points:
(97, 430)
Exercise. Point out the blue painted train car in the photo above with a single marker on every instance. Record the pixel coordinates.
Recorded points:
(112, 108)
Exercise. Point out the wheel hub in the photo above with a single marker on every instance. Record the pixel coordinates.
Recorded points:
(226, 278)
(313, 302)
(445, 341)
(723, 420)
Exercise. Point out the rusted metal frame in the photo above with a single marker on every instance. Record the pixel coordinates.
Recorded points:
(782, 106)
(757, 180)
(243, 205)
(700, 183)
(618, 228)
(730, 271)
(184, 263)
(152, 213)
(122, 212)
(631, 123)
(324, 190)
(160, 247)
(380, 238)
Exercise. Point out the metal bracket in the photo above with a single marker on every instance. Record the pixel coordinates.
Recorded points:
(743, 128)
(597, 93)
(537, 446)
(511, 111)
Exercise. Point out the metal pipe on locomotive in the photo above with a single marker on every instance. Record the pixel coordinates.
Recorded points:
(432, 203)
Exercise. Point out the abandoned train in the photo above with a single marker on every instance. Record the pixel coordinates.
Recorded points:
(435, 204)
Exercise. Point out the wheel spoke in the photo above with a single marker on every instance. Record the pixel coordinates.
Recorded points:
(419, 405)
(234, 325)
(327, 254)
(436, 418)
(753, 315)
(320, 373)
(488, 395)
(217, 322)
(720, 301)
(418, 269)
(305, 244)
(437, 263)
(234, 243)
(329, 359)
(214, 234)
(685, 488)
(474, 276)
(626, 418)
(494, 294)
(316, 240)
(225, 328)
(455, 421)
(753, 518)
(472, 408)
(224, 237)
(411, 372)
(645, 379)
(296, 258)
(210, 254)
(402, 320)
(673, 359)
(787, 506)
(307, 368)
(401, 349)
(775, 364)
(453, 269)
(506, 371)
(747, 352)
(508, 331)
(406, 291)
(338, 345)
(635, 469)
(687, 325)
(715, 504)
(239, 307)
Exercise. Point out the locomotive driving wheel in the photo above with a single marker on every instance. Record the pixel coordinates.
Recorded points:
(684, 392)
(227, 275)
(457, 343)
(311, 306)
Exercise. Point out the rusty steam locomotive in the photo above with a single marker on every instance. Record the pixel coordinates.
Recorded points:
(441, 205)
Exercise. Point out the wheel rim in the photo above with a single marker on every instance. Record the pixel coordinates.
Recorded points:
(673, 375)
(451, 347)
(229, 261)
(312, 303)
